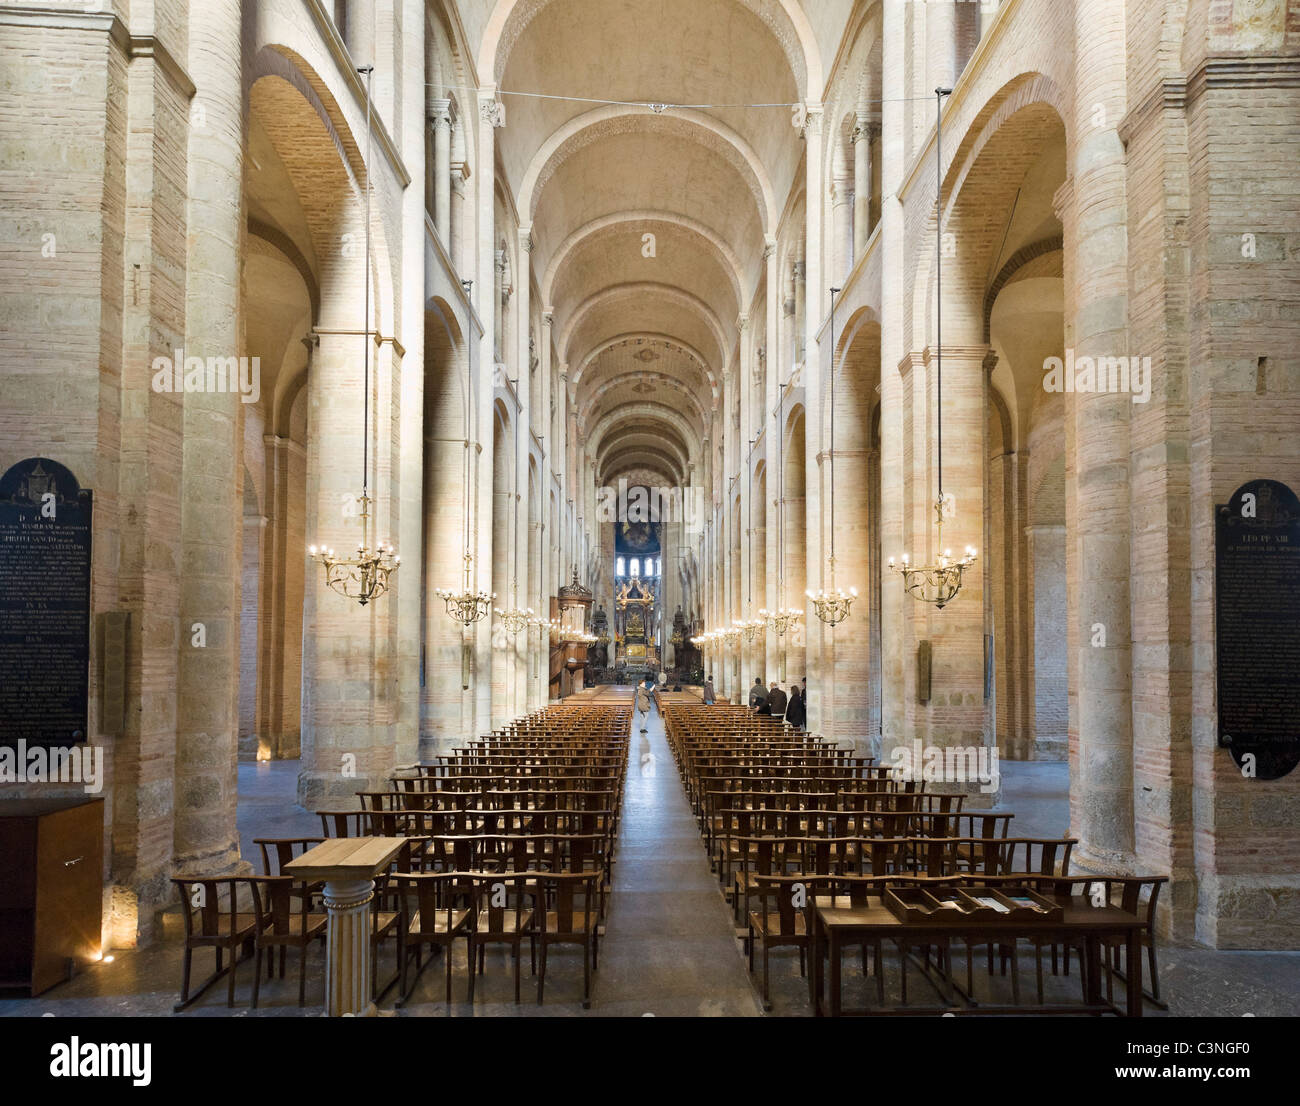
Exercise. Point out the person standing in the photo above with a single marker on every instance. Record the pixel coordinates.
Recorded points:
(757, 696)
(708, 692)
(643, 701)
(795, 713)
(776, 701)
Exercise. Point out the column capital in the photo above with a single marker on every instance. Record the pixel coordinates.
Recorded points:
(440, 113)
(863, 127)
(742, 321)
(491, 110)
(548, 316)
(769, 247)
(526, 238)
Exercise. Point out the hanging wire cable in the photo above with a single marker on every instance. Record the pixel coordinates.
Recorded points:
(655, 105)
(939, 94)
(365, 443)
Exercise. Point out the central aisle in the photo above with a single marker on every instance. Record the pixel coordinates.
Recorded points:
(671, 948)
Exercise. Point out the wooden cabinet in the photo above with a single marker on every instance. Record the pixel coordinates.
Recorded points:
(51, 889)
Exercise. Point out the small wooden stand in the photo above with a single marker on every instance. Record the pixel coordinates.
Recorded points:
(348, 865)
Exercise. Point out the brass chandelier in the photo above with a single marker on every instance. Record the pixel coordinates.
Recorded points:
(466, 606)
(832, 607)
(515, 619)
(781, 619)
(941, 582)
(365, 576)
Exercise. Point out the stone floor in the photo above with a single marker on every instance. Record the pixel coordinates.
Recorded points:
(670, 947)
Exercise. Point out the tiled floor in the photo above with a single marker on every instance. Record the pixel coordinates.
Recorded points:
(670, 947)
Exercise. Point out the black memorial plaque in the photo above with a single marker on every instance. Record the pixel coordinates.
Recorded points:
(44, 604)
(1257, 626)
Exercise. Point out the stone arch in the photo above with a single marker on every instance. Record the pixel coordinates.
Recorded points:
(642, 288)
(600, 390)
(695, 126)
(784, 18)
(685, 347)
(615, 223)
(993, 126)
(325, 160)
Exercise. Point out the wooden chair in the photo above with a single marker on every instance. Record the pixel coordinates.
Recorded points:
(210, 907)
(276, 853)
(856, 892)
(569, 911)
(1137, 895)
(386, 913)
(785, 926)
(284, 921)
(506, 915)
(437, 908)
(759, 856)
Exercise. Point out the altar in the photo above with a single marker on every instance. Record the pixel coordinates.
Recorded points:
(635, 621)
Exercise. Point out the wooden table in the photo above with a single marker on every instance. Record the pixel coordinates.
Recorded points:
(835, 926)
(348, 865)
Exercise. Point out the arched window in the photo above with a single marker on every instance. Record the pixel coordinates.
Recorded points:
(619, 566)
(634, 567)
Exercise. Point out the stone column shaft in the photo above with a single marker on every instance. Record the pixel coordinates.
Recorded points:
(205, 835)
(862, 135)
(1096, 230)
(441, 185)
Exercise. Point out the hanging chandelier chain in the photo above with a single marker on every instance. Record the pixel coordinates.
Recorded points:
(833, 606)
(369, 71)
(940, 582)
(366, 576)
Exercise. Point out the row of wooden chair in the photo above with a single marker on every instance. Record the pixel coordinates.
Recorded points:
(768, 841)
(510, 838)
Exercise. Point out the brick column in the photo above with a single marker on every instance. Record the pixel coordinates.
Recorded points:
(491, 114)
(956, 713)
(349, 686)
(1096, 324)
(280, 603)
(804, 650)
(205, 837)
